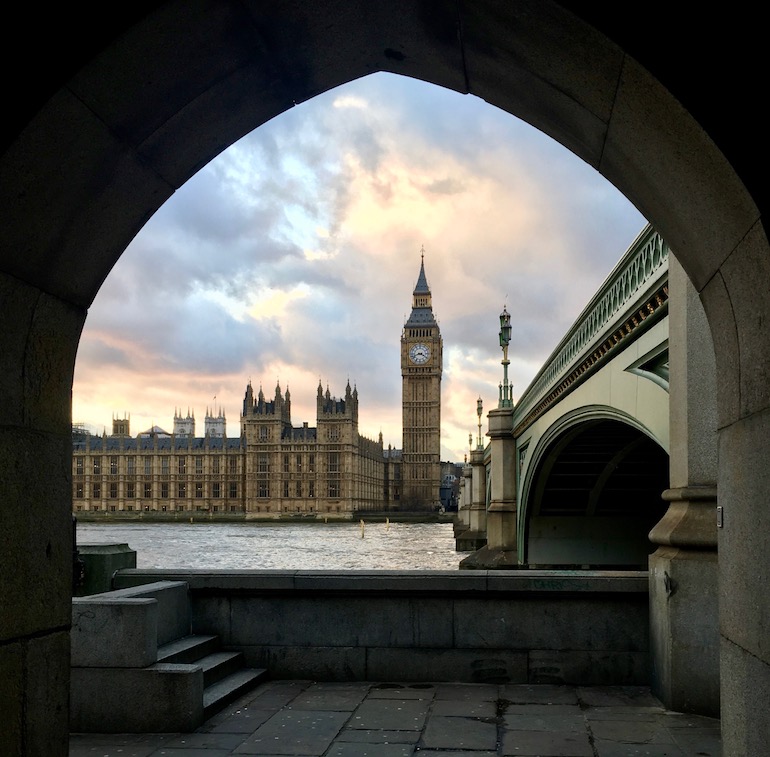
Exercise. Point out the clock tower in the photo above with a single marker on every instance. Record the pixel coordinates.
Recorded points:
(421, 366)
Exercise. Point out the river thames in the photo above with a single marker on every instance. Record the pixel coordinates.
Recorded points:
(301, 546)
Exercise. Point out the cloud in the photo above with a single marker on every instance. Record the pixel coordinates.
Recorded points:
(293, 257)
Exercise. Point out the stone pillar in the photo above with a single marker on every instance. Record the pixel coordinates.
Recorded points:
(501, 547)
(684, 628)
(476, 535)
(38, 340)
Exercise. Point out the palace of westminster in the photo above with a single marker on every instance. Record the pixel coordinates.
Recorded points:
(274, 469)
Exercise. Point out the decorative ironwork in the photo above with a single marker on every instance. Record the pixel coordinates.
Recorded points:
(631, 299)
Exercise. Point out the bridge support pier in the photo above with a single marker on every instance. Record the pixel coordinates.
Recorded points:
(500, 550)
(684, 627)
(476, 535)
(462, 523)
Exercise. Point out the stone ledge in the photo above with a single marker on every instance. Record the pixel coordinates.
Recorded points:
(404, 582)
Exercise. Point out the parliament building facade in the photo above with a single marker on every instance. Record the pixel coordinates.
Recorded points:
(274, 469)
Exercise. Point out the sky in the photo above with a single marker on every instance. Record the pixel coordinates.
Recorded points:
(291, 259)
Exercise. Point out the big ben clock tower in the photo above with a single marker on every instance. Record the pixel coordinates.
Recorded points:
(421, 366)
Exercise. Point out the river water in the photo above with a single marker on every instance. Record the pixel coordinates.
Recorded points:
(301, 546)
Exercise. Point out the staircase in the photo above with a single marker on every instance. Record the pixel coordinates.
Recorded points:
(137, 668)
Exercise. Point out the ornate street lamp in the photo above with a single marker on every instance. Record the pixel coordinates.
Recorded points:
(506, 393)
(479, 410)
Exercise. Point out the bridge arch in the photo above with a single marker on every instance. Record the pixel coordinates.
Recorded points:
(125, 113)
(591, 492)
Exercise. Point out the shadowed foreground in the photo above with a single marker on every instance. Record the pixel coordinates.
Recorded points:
(442, 720)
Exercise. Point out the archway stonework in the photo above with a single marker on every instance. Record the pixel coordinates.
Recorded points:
(116, 114)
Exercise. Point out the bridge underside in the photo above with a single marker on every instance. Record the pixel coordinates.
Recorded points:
(597, 495)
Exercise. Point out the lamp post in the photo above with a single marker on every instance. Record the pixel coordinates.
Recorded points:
(479, 410)
(506, 395)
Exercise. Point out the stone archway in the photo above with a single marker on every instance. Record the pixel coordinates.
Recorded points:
(105, 133)
(594, 496)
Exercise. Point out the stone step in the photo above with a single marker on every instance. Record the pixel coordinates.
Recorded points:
(220, 694)
(188, 648)
(219, 665)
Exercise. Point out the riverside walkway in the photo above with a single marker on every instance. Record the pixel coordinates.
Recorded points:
(429, 720)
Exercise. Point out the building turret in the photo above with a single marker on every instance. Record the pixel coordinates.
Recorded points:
(184, 425)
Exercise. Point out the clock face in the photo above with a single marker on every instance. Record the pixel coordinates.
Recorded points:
(419, 353)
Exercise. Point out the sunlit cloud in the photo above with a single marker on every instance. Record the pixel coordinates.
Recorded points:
(291, 260)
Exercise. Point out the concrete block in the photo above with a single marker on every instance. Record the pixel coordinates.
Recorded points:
(336, 621)
(11, 696)
(584, 622)
(174, 620)
(588, 668)
(467, 665)
(100, 561)
(119, 632)
(162, 698)
(211, 615)
(305, 662)
(47, 663)
(745, 694)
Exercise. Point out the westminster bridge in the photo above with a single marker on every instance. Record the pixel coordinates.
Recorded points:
(608, 461)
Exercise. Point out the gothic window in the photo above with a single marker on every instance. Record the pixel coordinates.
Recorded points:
(233, 489)
(263, 489)
(147, 490)
(199, 464)
(334, 462)
(334, 488)
(263, 433)
(311, 463)
(311, 489)
(216, 490)
(130, 490)
(79, 466)
(285, 488)
(262, 465)
(113, 490)
(181, 490)
(285, 463)
(198, 490)
(130, 463)
(215, 464)
(97, 491)
(78, 491)
(147, 466)
(113, 465)
(97, 462)
(232, 464)
(181, 465)
(164, 466)
(299, 489)
(299, 463)
(164, 489)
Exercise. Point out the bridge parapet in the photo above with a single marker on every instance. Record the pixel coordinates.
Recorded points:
(632, 298)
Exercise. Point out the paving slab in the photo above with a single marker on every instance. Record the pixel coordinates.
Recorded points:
(370, 719)
(370, 750)
(295, 732)
(455, 732)
(544, 717)
(390, 714)
(545, 744)
(523, 693)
